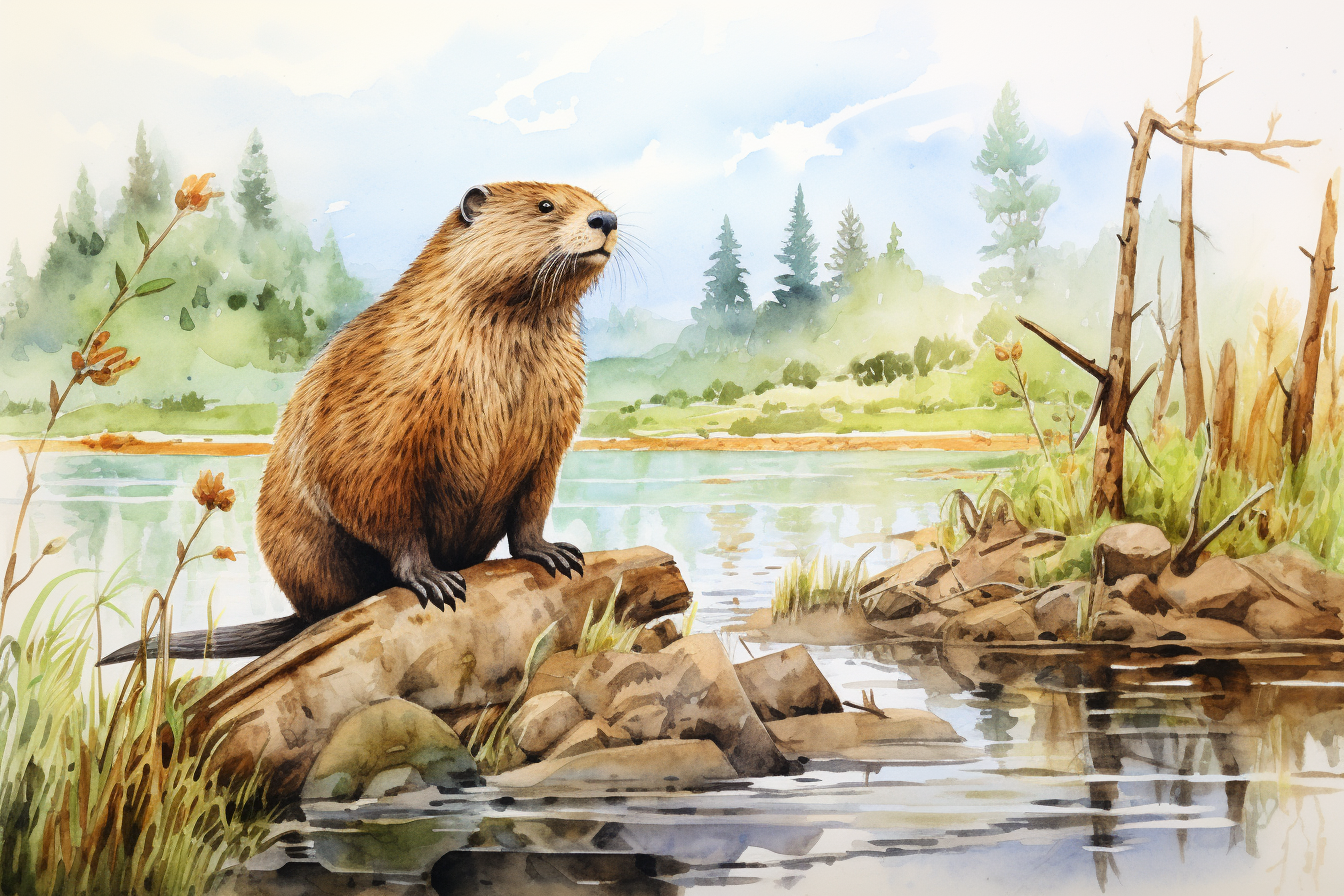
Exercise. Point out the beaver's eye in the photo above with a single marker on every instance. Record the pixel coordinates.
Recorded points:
(546, 206)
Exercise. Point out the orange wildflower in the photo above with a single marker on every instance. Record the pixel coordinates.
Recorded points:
(210, 492)
(1001, 353)
(103, 366)
(999, 388)
(1017, 350)
(195, 194)
(223, 552)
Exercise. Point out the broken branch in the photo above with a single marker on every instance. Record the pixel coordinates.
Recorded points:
(1092, 412)
(1190, 99)
(1068, 351)
(1259, 150)
(1143, 380)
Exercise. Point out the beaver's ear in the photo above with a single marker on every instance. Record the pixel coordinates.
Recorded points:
(471, 203)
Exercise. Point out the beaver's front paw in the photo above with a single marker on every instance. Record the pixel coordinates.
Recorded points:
(436, 586)
(559, 557)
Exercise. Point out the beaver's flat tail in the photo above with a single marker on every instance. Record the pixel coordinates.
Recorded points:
(252, 639)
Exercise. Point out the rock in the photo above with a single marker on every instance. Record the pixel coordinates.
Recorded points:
(1116, 620)
(1056, 610)
(391, 734)
(928, 624)
(656, 765)
(888, 592)
(1221, 589)
(392, 781)
(908, 734)
(1141, 593)
(543, 720)
(280, 710)
(993, 563)
(1299, 578)
(849, 729)
(1002, 621)
(1132, 549)
(786, 684)
(655, 637)
(587, 736)
(1195, 628)
(692, 679)
(1276, 618)
(642, 723)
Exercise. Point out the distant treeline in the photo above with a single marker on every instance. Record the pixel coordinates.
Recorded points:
(251, 288)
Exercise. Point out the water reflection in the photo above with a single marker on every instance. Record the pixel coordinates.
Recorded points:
(1101, 773)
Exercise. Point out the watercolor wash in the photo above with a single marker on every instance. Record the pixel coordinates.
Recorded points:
(942, 518)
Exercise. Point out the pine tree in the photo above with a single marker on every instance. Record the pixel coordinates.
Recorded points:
(1016, 201)
(798, 304)
(850, 254)
(83, 219)
(254, 184)
(142, 196)
(14, 291)
(894, 253)
(725, 312)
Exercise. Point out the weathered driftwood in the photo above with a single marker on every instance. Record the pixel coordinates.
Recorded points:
(278, 711)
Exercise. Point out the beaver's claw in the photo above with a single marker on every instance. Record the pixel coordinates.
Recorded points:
(438, 587)
(559, 557)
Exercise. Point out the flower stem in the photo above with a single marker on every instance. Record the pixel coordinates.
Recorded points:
(31, 486)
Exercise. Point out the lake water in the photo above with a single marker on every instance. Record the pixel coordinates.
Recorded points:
(1091, 773)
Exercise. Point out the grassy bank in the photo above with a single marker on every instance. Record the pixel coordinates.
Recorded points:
(610, 420)
(237, 419)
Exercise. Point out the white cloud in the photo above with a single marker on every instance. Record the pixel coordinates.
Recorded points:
(795, 142)
(550, 121)
(336, 207)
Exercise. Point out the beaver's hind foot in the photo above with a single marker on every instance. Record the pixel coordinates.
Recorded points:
(437, 586)
(559, 557)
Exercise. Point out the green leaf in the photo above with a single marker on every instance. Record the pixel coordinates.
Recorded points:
(144, 237)
(150, 287)
(121, 278)
(184, 320)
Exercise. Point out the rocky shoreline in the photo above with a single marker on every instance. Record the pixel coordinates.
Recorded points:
(1138, 595)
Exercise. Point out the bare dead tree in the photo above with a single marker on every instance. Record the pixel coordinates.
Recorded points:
(1114, 394)
(1171, 349)
(1192, 375)
(1301, 400)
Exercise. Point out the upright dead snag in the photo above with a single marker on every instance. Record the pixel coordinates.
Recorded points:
(1171, 349)
(1297, 410)
(1192, 374)
(1224, 406)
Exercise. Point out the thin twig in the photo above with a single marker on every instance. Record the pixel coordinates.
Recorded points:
(1138, 443)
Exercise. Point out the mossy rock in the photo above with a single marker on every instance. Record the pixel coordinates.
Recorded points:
(387, 735)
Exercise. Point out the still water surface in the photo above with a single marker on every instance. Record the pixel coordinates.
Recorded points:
(1112, 773)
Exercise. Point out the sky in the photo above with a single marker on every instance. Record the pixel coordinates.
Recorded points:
(377, 117)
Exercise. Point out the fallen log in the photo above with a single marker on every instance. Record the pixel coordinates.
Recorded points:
(276, 713)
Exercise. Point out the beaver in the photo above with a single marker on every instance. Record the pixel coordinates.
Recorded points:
(433, 424)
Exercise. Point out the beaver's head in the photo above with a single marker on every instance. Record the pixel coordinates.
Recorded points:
(537, 243)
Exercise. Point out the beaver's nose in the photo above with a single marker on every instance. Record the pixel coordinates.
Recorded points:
(604, 220)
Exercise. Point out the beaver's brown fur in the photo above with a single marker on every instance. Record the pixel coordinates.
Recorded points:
(434, 423)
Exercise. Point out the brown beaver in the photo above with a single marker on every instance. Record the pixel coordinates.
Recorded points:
(434, 423)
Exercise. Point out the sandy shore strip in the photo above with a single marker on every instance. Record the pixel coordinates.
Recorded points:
(233, 446)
